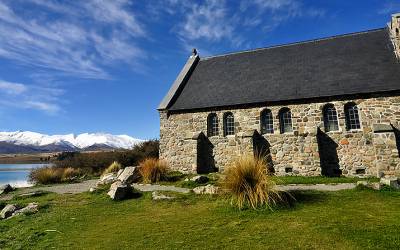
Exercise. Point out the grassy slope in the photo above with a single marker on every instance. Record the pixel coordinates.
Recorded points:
(341, 220)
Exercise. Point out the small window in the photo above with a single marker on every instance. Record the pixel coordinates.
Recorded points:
(212, 125)
(330, 118)
(352, 116)
(267, 122)
(229, 124)
(285, 120)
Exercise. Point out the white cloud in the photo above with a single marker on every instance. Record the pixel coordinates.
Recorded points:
(12, 88)
(79, 39)
(209, 21)
(19, 95)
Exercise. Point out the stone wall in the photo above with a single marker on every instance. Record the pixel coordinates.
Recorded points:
(357, 152)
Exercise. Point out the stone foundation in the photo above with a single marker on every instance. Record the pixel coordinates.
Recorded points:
(305, 151)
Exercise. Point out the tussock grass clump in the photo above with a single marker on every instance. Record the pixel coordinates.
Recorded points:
(248, 183)
(113, 168)
(153, 170)
(51, 175)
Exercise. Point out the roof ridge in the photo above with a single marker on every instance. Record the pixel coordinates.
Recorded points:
(294, 43)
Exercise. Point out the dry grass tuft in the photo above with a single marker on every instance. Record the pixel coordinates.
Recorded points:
(51, 175)
(248, 183)
(113, 168)
(153, 170)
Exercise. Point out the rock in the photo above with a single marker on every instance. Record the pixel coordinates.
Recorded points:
(362, 183)
(129, 175)
(8, 211)
(92, 189)
(209, 189)
(4, 189)
(119, 172)
(200, 179)
(391, 182)
(376, 186)
(119, 190)
(159, 196)
(107, 179)
(30, 209)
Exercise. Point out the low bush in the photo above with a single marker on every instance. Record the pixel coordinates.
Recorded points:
(247, 183)
(51, 175)
(153, 170)
(114, 167)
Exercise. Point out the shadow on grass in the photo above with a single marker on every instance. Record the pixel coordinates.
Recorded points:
(294, 198)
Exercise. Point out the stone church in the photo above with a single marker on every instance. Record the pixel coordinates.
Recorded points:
(328, 106)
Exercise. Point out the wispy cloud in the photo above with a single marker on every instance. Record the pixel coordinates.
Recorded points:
(80, 39)
(209, 22)
(25, 96)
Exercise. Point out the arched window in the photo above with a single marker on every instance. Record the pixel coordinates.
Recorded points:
(285, 120)
(330, 118)
(229, 124)
(267, 122)
(212, 125)
(352, 116)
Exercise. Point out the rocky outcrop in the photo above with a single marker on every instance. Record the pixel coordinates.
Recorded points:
(4, 189)
(107, 179)
(209, 189)
(8, 211)
(392, 182)
(30, 209)
(129, 175)
(119, 191)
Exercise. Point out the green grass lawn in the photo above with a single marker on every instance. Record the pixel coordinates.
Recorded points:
(352, 219)
(319, 179)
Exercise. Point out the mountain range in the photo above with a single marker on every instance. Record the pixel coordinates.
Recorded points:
(32, 142)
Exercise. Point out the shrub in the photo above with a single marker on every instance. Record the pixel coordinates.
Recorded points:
(70, 174)
(51, 175)
(248, 183)
(153, 170)
(46, 175)
(114, 167)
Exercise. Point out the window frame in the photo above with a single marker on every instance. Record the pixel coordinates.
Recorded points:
(283, 120)
(330, 118)
(353, 121)
(266, 122)
(212, 125)
(229, 129)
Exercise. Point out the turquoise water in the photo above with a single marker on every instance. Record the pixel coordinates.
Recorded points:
(16, 174)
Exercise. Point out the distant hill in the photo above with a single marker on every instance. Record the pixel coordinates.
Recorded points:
(31, 142)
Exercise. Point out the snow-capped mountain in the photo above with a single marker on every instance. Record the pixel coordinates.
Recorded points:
(47, 143)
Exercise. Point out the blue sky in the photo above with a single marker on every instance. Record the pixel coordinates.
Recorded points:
(104, 66)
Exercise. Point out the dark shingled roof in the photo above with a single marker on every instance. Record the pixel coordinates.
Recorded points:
(343, 65)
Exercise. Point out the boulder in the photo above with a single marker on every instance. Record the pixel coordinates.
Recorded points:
(391, 182)
(200, 179)
(209, 189)
(107, 179)
(8, 211)
(129, 175)
(4, 189)
(30, 209)
(119, 172)
(119, 190)
(159, 196)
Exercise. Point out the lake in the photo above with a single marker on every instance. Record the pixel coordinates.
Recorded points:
(16, 174)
